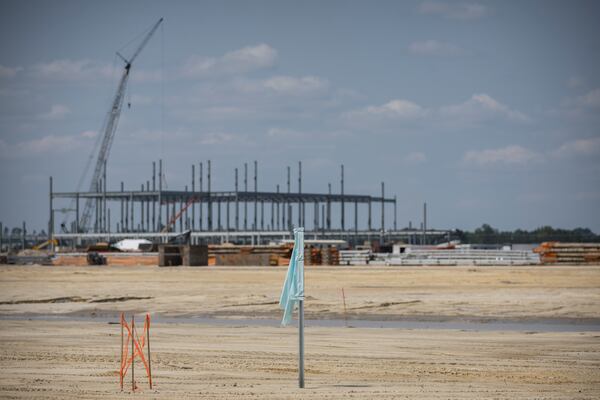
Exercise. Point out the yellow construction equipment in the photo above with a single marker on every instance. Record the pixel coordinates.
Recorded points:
(45, 244)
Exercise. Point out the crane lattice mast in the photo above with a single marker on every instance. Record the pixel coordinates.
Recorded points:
(111, 127)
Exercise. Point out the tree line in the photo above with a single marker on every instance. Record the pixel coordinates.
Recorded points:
(486, 234)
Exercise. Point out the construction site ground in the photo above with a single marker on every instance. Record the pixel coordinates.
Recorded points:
(59, 340)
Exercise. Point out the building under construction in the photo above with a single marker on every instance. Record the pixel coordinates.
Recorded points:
(242, 215)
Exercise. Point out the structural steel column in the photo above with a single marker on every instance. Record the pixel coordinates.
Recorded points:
(343, 212)
(210, 216)
(395, 220)
(356, 217)
(51, 219)
(424, 223)
(182, 214)
(122, 205)
(97, 208)
(148, 226)
(227, 213)
(173, 214)
(329, 208)
(132, 210)
(277, 206)
(160, 176)
(382, 207)
(272, 215)
(255, 225)
(142, 209)
(369, 215)
(200, 172)
(193, 194)
(237, 203)
(126, 215)
(300, 224)
(77, 212)
(167, 212)
(183, 203)
(153, 198)
(219, 226)
(245, 200)
(289, 207)
(104, 197)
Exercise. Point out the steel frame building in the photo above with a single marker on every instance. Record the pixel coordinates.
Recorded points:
(219, 216)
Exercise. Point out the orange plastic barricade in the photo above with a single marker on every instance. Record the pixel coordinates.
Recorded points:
(137, 344)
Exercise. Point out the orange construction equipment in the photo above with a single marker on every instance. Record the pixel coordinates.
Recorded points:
(179, 214)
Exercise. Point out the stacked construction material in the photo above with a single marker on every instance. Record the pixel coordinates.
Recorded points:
(316, 257)
(249, 255)
(463, 257)
(569, 253)
(29, 257)
(330, 256)
(313, 255)
(354, 257)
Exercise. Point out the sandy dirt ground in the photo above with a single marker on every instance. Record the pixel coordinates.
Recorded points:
(79, 359)
(375, 293)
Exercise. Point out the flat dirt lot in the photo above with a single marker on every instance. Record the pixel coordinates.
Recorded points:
(78, 357)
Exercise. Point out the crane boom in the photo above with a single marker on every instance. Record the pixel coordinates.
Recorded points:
(111, 127)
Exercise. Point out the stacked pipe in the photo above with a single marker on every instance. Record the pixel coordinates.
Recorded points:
(569, 253)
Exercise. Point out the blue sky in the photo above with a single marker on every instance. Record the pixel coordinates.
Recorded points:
(489, 111)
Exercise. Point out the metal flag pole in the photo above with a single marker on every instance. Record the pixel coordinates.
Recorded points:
(301, 311)
(301, 345)
(292, 294)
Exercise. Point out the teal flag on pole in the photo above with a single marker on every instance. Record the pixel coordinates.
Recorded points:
(293, 287)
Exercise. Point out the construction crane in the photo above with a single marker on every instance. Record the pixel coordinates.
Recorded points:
(111, 127)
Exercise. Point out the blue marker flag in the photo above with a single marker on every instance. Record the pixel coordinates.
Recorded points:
(293, 287)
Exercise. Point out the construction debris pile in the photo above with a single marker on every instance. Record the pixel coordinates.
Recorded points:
(569, 253)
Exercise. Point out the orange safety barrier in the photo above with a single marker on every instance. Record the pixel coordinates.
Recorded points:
(137, 344)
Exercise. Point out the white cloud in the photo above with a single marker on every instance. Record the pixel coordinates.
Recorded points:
(580, 147)
(87, 71)
(510, 155)
(415, 157)
(242, 60)
(482, 107)
(9, 72)
(454, 10)
(72, 70)
(394, 109)
(224, 112)
(434, 48)
(57, 112)
(89, 134)
(588, 100)
(476, 110)
(295, 86)
(216, 138)
(50, 144)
